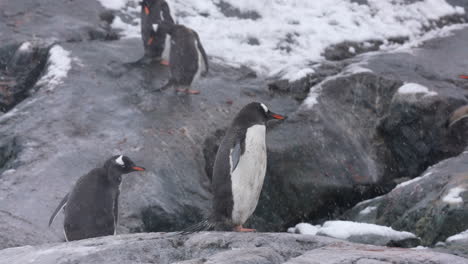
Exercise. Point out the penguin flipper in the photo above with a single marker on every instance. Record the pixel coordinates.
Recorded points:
(234, 156)
(116, 211)
(202, 51)
(59, 207)
(453, 122)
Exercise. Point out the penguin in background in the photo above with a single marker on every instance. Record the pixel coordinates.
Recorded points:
(154, 39)
(91, 208)
(188, 60)
(239, 170)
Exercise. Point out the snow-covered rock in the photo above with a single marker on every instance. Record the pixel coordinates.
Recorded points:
(359, 232)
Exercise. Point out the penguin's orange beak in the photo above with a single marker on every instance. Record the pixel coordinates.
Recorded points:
(138, 168)
(147, 11)
(276, 116)
(464, 76)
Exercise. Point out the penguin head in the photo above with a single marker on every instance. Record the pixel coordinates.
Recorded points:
(256, 113)
(123, 164)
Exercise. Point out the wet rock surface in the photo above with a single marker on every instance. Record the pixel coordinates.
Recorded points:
(434, 206)
(218, 248)
(340, 146)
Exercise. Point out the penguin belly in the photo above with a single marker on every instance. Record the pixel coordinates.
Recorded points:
(247, 178)
(91, 216)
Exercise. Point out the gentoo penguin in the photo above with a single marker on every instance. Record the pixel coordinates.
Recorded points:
(239, 170)
(188, 60)
(457, 115)
(154, 39)
(91, 208)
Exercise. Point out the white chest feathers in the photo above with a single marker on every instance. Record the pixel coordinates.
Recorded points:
(247, 178)
(201, 63)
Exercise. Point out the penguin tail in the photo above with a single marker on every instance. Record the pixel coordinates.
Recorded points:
(205, 225)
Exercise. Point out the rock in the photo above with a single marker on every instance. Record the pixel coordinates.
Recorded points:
(20, 68)
(230, 11)
(433, 206)
(216, 248)
(325, 158)
(456, 244)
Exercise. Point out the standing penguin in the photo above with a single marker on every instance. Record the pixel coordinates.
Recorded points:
(91, 208)
(239, 170)
(154, 39)
(188, 60)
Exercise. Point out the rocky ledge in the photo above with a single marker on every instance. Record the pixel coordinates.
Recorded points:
(217, 247)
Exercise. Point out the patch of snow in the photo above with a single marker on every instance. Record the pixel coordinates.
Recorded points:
(403, 184)
(420, 247)
(113, 4)
(367, 210)
(355, 69)
(296, 76)
(352, 50)
(58, 65)
(312, 97)
(414, 88)
(7, 172)
(305, 229)
(461, 236)
(25, 46)
(129, 30)
(453, 196)
(291, 34)
(346, 229)
(369, 201)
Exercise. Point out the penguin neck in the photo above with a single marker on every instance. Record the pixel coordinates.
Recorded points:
(114, 176)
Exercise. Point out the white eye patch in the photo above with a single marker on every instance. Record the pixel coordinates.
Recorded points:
(265, 108)
(155, 27)
(119, 160)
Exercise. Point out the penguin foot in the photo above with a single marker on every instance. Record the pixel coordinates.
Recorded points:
(164, 62)
(239, 228)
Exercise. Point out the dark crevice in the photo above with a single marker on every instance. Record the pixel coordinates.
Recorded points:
(21, 67)
(9, 149)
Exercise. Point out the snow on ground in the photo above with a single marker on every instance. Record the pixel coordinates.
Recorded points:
(304, 228)
(346, 229)
(414, 88)
(453, 196)
(413, 180)
(461, 236)
(289, 36)
(58, 65)
(367, 210)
